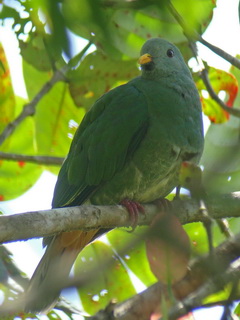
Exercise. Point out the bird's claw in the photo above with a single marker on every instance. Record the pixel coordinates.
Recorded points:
(163, 204)
(133, 208)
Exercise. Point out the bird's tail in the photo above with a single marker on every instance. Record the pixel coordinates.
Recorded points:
(54, 268)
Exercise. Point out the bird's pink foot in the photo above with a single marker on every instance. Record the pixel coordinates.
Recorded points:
(133, 208)
(163, 204)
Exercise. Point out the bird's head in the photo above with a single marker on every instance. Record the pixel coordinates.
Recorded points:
(160, 58)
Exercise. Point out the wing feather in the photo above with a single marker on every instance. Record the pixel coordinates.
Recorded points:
(105, 140)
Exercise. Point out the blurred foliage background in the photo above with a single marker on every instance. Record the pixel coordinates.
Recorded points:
(62, 87)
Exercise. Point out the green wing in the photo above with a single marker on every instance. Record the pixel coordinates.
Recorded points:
(105, 140)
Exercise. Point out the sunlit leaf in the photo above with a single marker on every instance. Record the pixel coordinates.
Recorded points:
(16, 177)
(220, 295)
(96, 75)
(237, 310)
(56, 116)
(198, 238)
(134, 256)
(112, 282)
(7, 11)
(190, 178)
(222, 153)
(220, 81)
(7, 99)
(36, 52)
(120, 28)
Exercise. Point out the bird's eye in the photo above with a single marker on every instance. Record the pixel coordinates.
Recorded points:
(170, 53)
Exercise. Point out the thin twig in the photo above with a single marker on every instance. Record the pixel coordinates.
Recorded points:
(30, 108)
(45, 160)
(204, 76)
(13, 271)
(190, 34)
(228, 57)
(193, 36)
(210, 287)
(198, 280)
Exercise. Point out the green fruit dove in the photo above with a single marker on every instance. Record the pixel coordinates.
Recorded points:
(128, 149)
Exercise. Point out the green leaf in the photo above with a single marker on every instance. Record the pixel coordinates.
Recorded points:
(222, 153)
(16, 177)
(55, 118)
(135, 257)
(219, 296)
(56, 115)
(237, 310)
(35, 51)
(198, 235)
(234, 224)
(7, 99)
(96, 75)
(9, 12)
(198, 238)
(112, 282)
(12, 12)
(120, 28)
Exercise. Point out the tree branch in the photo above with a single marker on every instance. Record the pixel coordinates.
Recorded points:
(45, 160)
(141, 306)
(202, 279)
(213, 285)
(48, 222)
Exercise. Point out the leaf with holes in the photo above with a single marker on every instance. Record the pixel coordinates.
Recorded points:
(220, 81)
(19, 22)
(105, 282)
(96, 75)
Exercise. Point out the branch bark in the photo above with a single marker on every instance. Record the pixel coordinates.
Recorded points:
(44, 223)
(148, 302)
(203, 278)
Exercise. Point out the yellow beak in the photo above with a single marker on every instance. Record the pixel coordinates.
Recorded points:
(146, 58)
